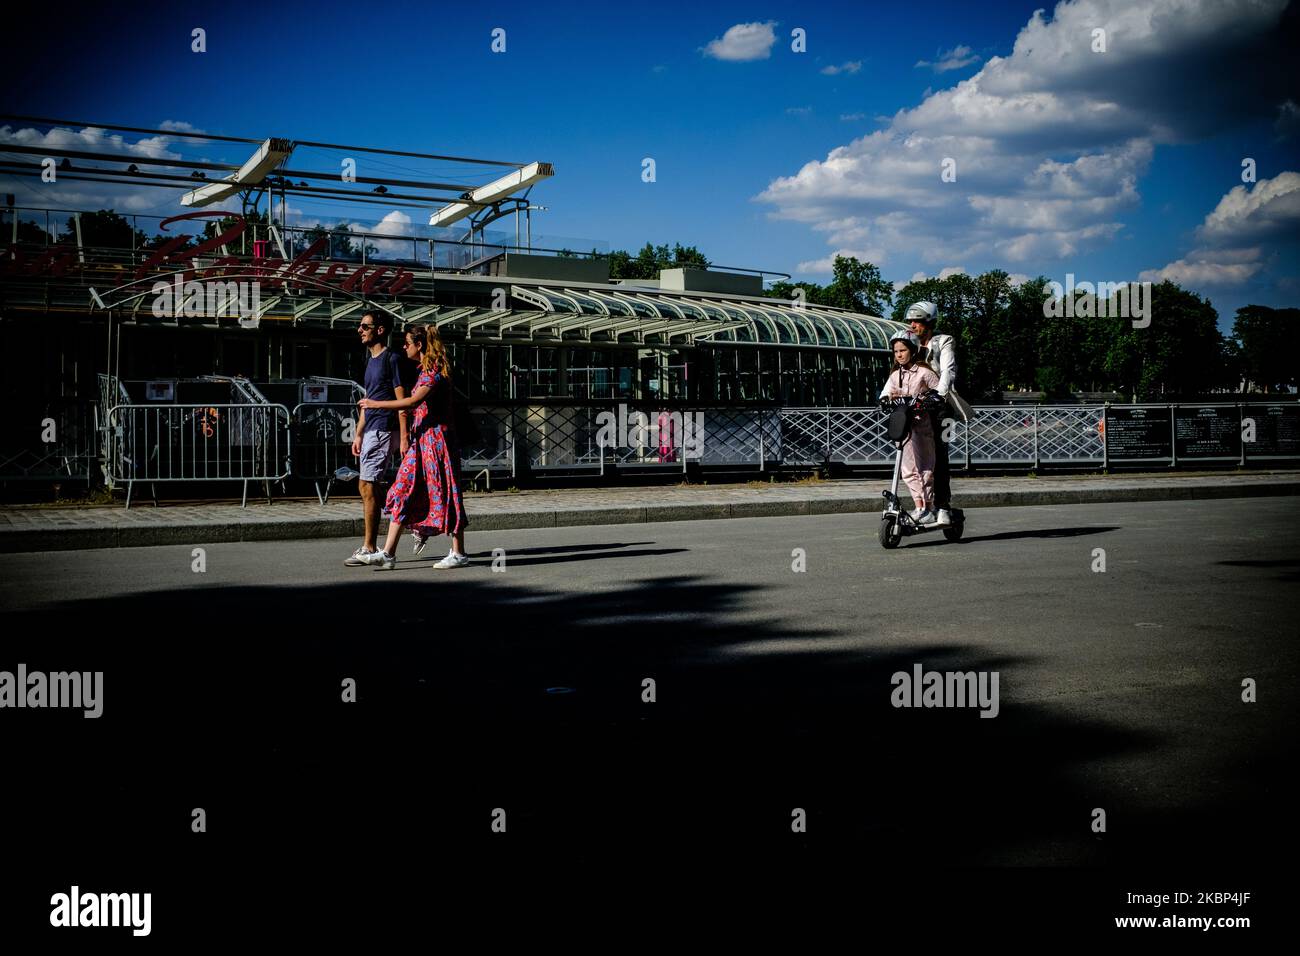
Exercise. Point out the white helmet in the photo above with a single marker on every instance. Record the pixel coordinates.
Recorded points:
(923, 312)
(912, 341)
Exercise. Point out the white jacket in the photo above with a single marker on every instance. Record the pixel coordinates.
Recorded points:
(940, 353)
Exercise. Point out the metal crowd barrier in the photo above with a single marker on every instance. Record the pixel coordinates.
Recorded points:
(54, 442)
(999, 435)
(203, 441)
(209, 442)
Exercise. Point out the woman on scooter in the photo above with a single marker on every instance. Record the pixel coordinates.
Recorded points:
(910, 378)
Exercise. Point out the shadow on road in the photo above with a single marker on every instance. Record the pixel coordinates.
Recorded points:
(229, 698)
(1013, 535)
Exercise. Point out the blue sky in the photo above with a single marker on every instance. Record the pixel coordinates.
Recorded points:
(1107, 164)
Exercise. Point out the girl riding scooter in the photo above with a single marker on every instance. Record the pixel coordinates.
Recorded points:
(910, 378)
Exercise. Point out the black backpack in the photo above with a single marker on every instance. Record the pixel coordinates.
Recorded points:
(899, 425)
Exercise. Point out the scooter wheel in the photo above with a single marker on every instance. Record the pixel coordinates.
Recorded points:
(890, 533)
(954, 531)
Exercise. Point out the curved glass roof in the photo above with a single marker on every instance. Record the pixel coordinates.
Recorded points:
(666, 316)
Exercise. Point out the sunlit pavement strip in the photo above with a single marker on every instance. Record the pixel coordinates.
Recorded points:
(44, 528)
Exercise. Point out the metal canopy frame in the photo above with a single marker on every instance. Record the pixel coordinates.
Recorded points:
(604, 312)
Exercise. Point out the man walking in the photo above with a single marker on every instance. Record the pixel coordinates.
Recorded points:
(940, 353)
(380, 432)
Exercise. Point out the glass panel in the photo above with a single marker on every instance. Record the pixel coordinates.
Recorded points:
(728, 383)
(588, 304)
(825, 334)
(668, 309)
(768, 380)
(643, 308)
(791, 386)
(747, 375)
(615, 306)
(860, 337)
(797, 333)
(689, 311)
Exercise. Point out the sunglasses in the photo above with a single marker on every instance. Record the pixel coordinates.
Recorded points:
(366, 325)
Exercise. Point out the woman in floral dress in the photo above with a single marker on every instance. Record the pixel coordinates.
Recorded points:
(426, 496)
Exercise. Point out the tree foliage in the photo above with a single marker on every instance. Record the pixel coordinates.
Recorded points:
(652, 259)
(104, 229)
(1267, 343)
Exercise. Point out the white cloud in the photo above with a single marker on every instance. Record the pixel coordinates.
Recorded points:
(88, 139)
(799, 110)
(743, 42)
(852, 66)
(852, 117)
(1189, 273)
(1234, 234)
(954, 59)
(826, 265)
(395, 223)
(1272, 207)
(1050, 142)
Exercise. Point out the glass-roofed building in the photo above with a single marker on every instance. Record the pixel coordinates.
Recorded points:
(693, 336)
(103, 298)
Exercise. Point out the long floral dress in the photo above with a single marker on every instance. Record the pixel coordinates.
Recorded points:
(425, 498)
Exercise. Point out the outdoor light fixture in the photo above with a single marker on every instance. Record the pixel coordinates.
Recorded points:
(493, 191)
(269, 155)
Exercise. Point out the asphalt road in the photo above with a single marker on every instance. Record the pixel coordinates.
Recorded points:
(522, 689)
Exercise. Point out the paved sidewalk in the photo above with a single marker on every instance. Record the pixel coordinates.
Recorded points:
(49, 528)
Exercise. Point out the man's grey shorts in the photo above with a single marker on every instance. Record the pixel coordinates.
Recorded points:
(376, 448)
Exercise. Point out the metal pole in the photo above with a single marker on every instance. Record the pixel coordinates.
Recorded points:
(1036, 462)
(1105, 440)
(1241, 433)
(1173, 440)
(965, 434)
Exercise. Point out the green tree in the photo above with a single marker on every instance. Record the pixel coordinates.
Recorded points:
(652, 259)
(1181, 352)
(1016, 334)
(1266, 346)
(32, 234)
(104, 229)
(858, 286)
(812, 292)
(342, 246)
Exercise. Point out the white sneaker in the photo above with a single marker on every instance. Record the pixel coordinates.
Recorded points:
(928, 518)
(943, 518)
(384, 561)
(359, 558)
(452, 560)
(917, 514)
(420, 542)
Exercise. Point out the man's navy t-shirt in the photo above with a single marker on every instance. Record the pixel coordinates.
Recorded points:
(381, 376)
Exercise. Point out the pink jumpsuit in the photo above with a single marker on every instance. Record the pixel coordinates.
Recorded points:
(918, 453)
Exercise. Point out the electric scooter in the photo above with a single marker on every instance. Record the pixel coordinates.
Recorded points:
(896, 522)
